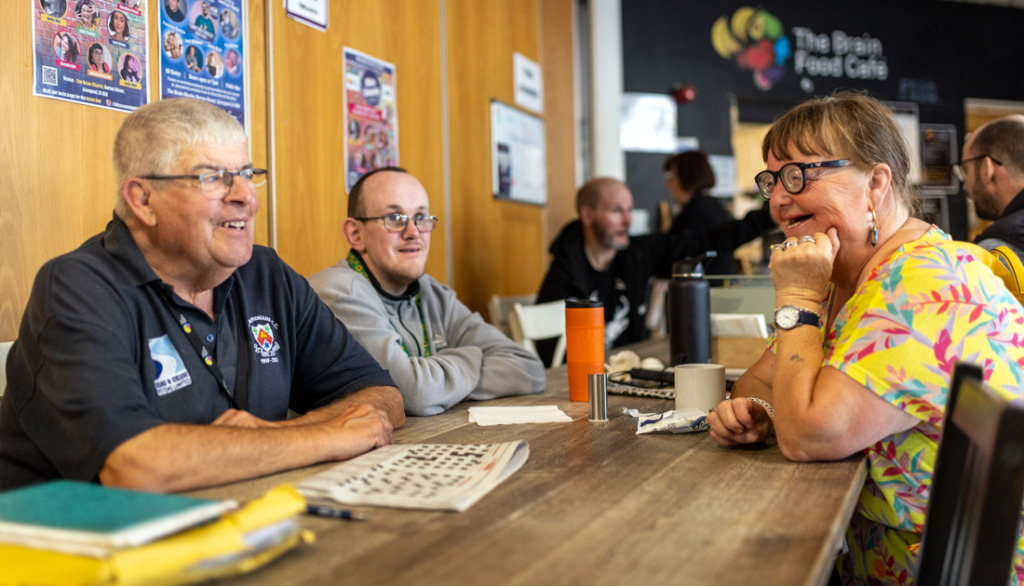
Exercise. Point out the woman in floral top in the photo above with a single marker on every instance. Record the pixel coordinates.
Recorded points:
(875, 308)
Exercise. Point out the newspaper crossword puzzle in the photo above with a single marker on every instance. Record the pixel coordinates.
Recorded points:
(418, 476)
(420, 472)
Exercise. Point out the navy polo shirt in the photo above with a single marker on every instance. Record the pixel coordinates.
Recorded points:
(101, 356)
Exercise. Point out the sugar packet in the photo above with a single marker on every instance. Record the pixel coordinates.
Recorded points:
(675, 421)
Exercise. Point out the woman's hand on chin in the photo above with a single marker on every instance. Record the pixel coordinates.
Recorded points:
(802, 267)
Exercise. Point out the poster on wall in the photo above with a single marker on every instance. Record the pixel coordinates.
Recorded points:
(91, 52)
(202, 52)
(518, 155)
(370, 115)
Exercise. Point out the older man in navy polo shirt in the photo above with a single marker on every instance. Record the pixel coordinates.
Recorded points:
(165, 352)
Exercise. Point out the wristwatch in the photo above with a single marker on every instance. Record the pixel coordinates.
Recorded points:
(788, 317)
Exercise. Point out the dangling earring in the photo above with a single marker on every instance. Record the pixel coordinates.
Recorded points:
(874, 229)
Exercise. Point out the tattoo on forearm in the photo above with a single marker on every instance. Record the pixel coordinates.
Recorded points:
(796, 358)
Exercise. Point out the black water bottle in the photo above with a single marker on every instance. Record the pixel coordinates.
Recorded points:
(689, 312)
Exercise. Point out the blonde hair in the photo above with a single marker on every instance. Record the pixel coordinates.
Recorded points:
(849, 125)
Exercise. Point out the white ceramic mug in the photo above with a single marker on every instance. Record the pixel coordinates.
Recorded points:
(699, 385)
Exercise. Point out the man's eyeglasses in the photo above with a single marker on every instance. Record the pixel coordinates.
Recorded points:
(397, 222)
(791, 175)
(216, 183)
(959, 169)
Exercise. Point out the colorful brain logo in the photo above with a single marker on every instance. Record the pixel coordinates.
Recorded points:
(753, 37)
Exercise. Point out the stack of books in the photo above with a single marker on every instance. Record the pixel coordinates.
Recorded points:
(67, 532)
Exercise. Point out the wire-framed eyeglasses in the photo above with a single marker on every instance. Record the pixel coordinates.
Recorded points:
(960, 170)
(215, 183)
(397, 221)
(792, 176)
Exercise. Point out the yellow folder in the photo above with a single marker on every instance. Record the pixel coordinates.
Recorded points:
(238, 542)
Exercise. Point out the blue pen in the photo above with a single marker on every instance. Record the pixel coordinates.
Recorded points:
(335, 513)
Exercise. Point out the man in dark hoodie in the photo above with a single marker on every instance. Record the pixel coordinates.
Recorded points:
(595, 257)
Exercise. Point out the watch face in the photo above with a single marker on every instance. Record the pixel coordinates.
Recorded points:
(786, 317)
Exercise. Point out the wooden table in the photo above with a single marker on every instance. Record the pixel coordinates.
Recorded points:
(594, 504)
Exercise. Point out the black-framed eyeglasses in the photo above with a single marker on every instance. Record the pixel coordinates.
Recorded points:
(959, 169)
(792, 176)
(217, 182)
(397, 221)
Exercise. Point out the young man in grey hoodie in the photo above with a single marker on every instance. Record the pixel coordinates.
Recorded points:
(438, 351)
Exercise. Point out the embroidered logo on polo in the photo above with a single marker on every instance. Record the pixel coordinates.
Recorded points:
(264, 335)
(171, 373)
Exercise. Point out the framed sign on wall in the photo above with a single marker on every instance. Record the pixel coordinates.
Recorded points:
(518, 156)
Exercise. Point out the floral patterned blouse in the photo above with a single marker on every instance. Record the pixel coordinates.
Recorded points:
(931, 303)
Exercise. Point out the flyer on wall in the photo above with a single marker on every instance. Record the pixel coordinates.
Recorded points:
(91, 52)
(370, 115)
(203, 53)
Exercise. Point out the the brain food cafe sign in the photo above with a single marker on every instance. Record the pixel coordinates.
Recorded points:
(838, 54)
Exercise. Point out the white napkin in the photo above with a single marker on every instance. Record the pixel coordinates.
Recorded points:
(502, 415)
(738, 325)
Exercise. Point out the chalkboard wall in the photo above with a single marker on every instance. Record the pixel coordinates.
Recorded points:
(930, 52)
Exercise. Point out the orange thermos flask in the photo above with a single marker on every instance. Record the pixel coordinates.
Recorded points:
(584, 344)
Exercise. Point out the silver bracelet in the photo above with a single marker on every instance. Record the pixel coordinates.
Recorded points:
(767, 406)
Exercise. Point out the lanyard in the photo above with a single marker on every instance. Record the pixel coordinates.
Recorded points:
(199, 347)
(357, 265)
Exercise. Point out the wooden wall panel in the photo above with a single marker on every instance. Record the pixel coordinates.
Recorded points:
(499, 247)
(257, 71)
(56, 174)
(488, 237)
(557, 48)
(309, 119)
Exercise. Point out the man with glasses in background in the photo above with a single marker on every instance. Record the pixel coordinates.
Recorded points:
(437, 350)
(165, 353)
(992, 172)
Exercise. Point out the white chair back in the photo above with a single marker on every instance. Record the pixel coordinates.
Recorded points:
(541, 322)
(500, 307)
(5, 347)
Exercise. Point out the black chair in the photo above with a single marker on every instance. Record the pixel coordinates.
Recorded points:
(978, 488)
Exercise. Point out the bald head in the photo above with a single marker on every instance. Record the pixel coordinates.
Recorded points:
(605, 206)
(591, 193)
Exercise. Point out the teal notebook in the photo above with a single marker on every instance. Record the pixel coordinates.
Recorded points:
(93, 520)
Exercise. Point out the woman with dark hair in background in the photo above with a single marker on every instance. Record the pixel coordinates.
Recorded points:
(689, 177)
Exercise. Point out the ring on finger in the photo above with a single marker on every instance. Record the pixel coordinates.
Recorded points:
(788, 244)
(807, 239)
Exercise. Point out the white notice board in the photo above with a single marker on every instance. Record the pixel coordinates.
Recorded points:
(518, 155)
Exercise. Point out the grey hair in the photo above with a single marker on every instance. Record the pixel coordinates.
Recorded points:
(152, 138)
